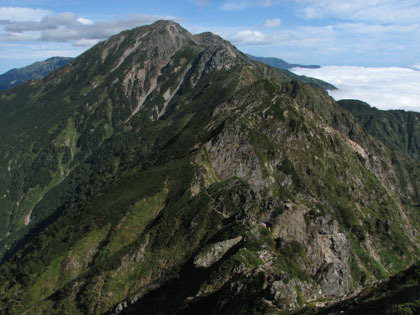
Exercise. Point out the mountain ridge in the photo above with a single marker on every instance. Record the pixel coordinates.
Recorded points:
(158, 161)
(280, 63)
(285, 66)
(397, 128)
(36, 70)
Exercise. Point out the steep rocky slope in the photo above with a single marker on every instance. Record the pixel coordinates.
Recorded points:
(169, 173)
(36, 70)
(398, 295)
(398, 129)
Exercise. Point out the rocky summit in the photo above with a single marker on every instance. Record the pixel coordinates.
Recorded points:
(162, 172)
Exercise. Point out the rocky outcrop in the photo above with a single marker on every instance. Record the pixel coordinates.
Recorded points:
(231, 155)
(213, 252)
(327, 249)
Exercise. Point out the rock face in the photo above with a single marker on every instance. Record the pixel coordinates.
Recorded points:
(230, 156)
(327, 248)
(398, 294)
(208, 256)
(397, 128)
(197, 180)
(330, 250)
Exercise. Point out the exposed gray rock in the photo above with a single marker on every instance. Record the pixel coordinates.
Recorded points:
(327, 248)
(231, 155)
(209, 255)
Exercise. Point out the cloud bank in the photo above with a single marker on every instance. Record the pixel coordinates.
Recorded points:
(22, 14)
(384, 88)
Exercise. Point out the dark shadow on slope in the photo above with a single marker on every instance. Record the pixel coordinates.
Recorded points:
(169, 298)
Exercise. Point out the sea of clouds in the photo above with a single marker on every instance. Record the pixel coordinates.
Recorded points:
(384, 88)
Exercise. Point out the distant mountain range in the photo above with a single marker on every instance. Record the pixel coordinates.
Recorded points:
(285, 66)
(36, 70)
(280, 63)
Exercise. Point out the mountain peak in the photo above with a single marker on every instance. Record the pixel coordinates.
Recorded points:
(165, 23)
(162, 38)
(140, 59)
(171, 28)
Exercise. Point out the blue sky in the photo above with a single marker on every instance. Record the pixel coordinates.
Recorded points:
(326, 32)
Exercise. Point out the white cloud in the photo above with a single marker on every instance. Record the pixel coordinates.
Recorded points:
(22, 14)
(248, 37)
(34, 52)
(84, 21)
(360, 32)
(384, 88)
(233, 5)
(303, 37)
(19, 37)
(67, 19)
(29, 35)
(375, 11)
(376, 29)
(68, 27)
(272, 23)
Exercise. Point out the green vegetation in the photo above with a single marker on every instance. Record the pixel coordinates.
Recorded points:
(283, 65)
(291, 259)
(36, 70)
(117, 171)
(397, 128)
